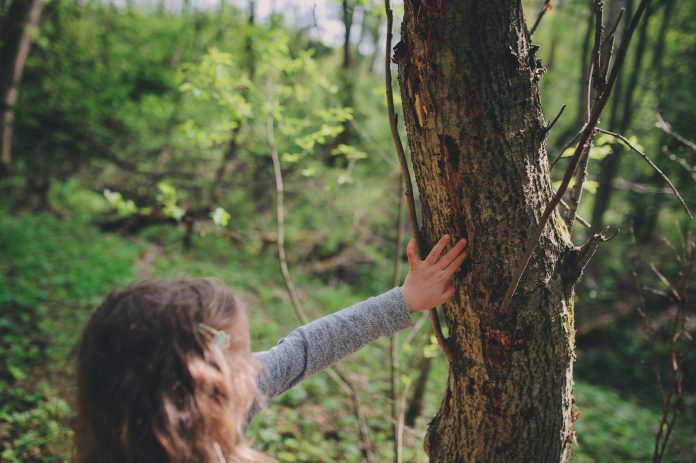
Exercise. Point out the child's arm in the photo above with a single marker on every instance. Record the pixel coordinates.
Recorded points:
(320, 344)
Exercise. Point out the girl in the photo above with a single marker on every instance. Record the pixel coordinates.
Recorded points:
(165, 371)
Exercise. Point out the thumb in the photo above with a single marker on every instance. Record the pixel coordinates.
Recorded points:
(411, 253)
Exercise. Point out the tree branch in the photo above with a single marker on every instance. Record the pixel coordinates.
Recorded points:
(578, 217)
(397, 415)
(334, 372)
(652, 164)
(548, 128)
(548, 5)
(415, 230)
(666, 127)
(586, 137)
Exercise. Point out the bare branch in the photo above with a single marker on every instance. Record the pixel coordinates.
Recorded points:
(596, 71)
(397, 415)
(580, 257)
(666, 127)
(565, 147)
(586, 137)
(578, 217)
(548, 5)
(576, 191)
(608, 44)
(415, 230)
(652, 164)
(665, 281)
(614, 28)
(335, 373)
(548, 128)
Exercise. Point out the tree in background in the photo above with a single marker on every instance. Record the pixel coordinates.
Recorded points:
(17, 27)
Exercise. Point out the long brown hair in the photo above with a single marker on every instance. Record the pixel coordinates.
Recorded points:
(151, 387)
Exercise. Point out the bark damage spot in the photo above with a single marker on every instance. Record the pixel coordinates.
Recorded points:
(498, 347)
(449, 170)
(417, 72)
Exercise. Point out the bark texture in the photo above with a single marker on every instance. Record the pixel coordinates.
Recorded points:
(477, 135)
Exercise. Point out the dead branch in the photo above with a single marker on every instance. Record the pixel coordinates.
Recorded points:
(578, 217)
(548, 128)
(596, 67)
(666, 127)
(415, 229)
(586, 137)
(565, 147)
(671, 394)
(652, 164)
(397, 415)
(548, 5)
(578, 259)
(334, 372)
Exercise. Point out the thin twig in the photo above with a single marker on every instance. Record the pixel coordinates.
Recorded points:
(615, 27)
(548, 4)
(548, 128)
(393, 344)
(652, 164)
(643, 311)
(667, 128)
(415, 230)
(586, 138)
(608, 45)
(578, 217)
(334, 372)
(576, 191)
(565, 147)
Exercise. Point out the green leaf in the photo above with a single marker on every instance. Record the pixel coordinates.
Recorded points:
(220, 217)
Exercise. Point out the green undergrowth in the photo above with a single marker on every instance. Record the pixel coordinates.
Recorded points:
(55, 271)
(611, 428)
(52, 274)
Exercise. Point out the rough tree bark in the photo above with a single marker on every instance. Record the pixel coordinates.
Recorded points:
(477, 135)
(15, 43)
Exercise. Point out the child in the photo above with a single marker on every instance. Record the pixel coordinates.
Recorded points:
(165, 371)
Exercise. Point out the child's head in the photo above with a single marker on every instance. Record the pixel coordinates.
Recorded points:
(154, 384)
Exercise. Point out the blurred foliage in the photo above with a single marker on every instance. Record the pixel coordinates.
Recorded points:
(152, 120)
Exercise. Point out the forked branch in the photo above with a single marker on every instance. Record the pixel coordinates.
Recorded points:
(586, 136)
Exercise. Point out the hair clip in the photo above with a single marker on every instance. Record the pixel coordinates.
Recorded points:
(219, 337)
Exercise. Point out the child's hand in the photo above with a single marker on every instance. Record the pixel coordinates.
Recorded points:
(429, 282)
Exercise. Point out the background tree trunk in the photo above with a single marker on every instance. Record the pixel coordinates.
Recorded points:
(15, 40)
(478, 145)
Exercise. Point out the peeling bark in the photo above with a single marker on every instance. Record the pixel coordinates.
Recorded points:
(468, 79)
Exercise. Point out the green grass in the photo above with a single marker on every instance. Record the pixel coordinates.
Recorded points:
(52, 274)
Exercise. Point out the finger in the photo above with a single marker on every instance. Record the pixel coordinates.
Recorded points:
(456, 263)
(437, 250)
(452, 254)
(411, 254)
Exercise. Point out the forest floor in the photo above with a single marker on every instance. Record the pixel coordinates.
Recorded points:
(55, 271)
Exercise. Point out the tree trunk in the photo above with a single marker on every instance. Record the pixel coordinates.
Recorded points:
(15, 39)
(476, 131)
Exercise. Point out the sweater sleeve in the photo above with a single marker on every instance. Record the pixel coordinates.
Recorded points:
(323, 342)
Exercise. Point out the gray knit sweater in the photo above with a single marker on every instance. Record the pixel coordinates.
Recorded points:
(318, 345)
